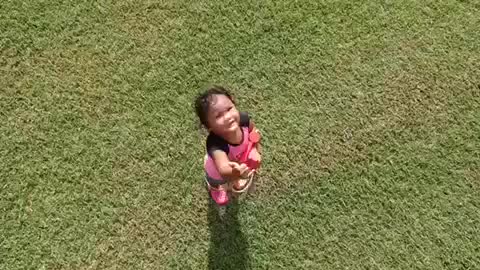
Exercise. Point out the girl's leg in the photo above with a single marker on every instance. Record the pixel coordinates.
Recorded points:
(218, 190)
(240, 183)
(217, 186)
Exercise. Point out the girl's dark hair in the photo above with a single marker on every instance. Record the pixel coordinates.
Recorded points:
(204, 100)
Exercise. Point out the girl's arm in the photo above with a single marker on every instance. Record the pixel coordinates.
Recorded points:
(259, 148)
(229, 171)
(251, 127)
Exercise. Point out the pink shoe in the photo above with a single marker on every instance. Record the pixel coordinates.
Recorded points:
(220, 196)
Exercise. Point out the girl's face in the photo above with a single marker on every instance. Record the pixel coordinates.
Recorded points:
(223, 116)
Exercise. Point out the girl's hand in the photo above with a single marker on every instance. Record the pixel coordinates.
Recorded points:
(255, 155)
(239, 170)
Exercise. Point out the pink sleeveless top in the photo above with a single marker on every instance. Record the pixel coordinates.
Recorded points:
(234, 154)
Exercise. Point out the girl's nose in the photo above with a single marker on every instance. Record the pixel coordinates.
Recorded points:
(228, 116)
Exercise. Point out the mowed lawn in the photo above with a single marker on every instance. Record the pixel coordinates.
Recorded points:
(370, 112)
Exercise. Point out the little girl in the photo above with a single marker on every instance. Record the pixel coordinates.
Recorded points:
(227, 141)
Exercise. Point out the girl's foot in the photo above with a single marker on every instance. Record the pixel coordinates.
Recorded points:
(240, 183)
(219, 195)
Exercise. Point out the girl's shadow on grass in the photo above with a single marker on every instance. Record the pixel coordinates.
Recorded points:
(228, 246)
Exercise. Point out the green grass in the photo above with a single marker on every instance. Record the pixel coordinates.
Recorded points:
(370, 112)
